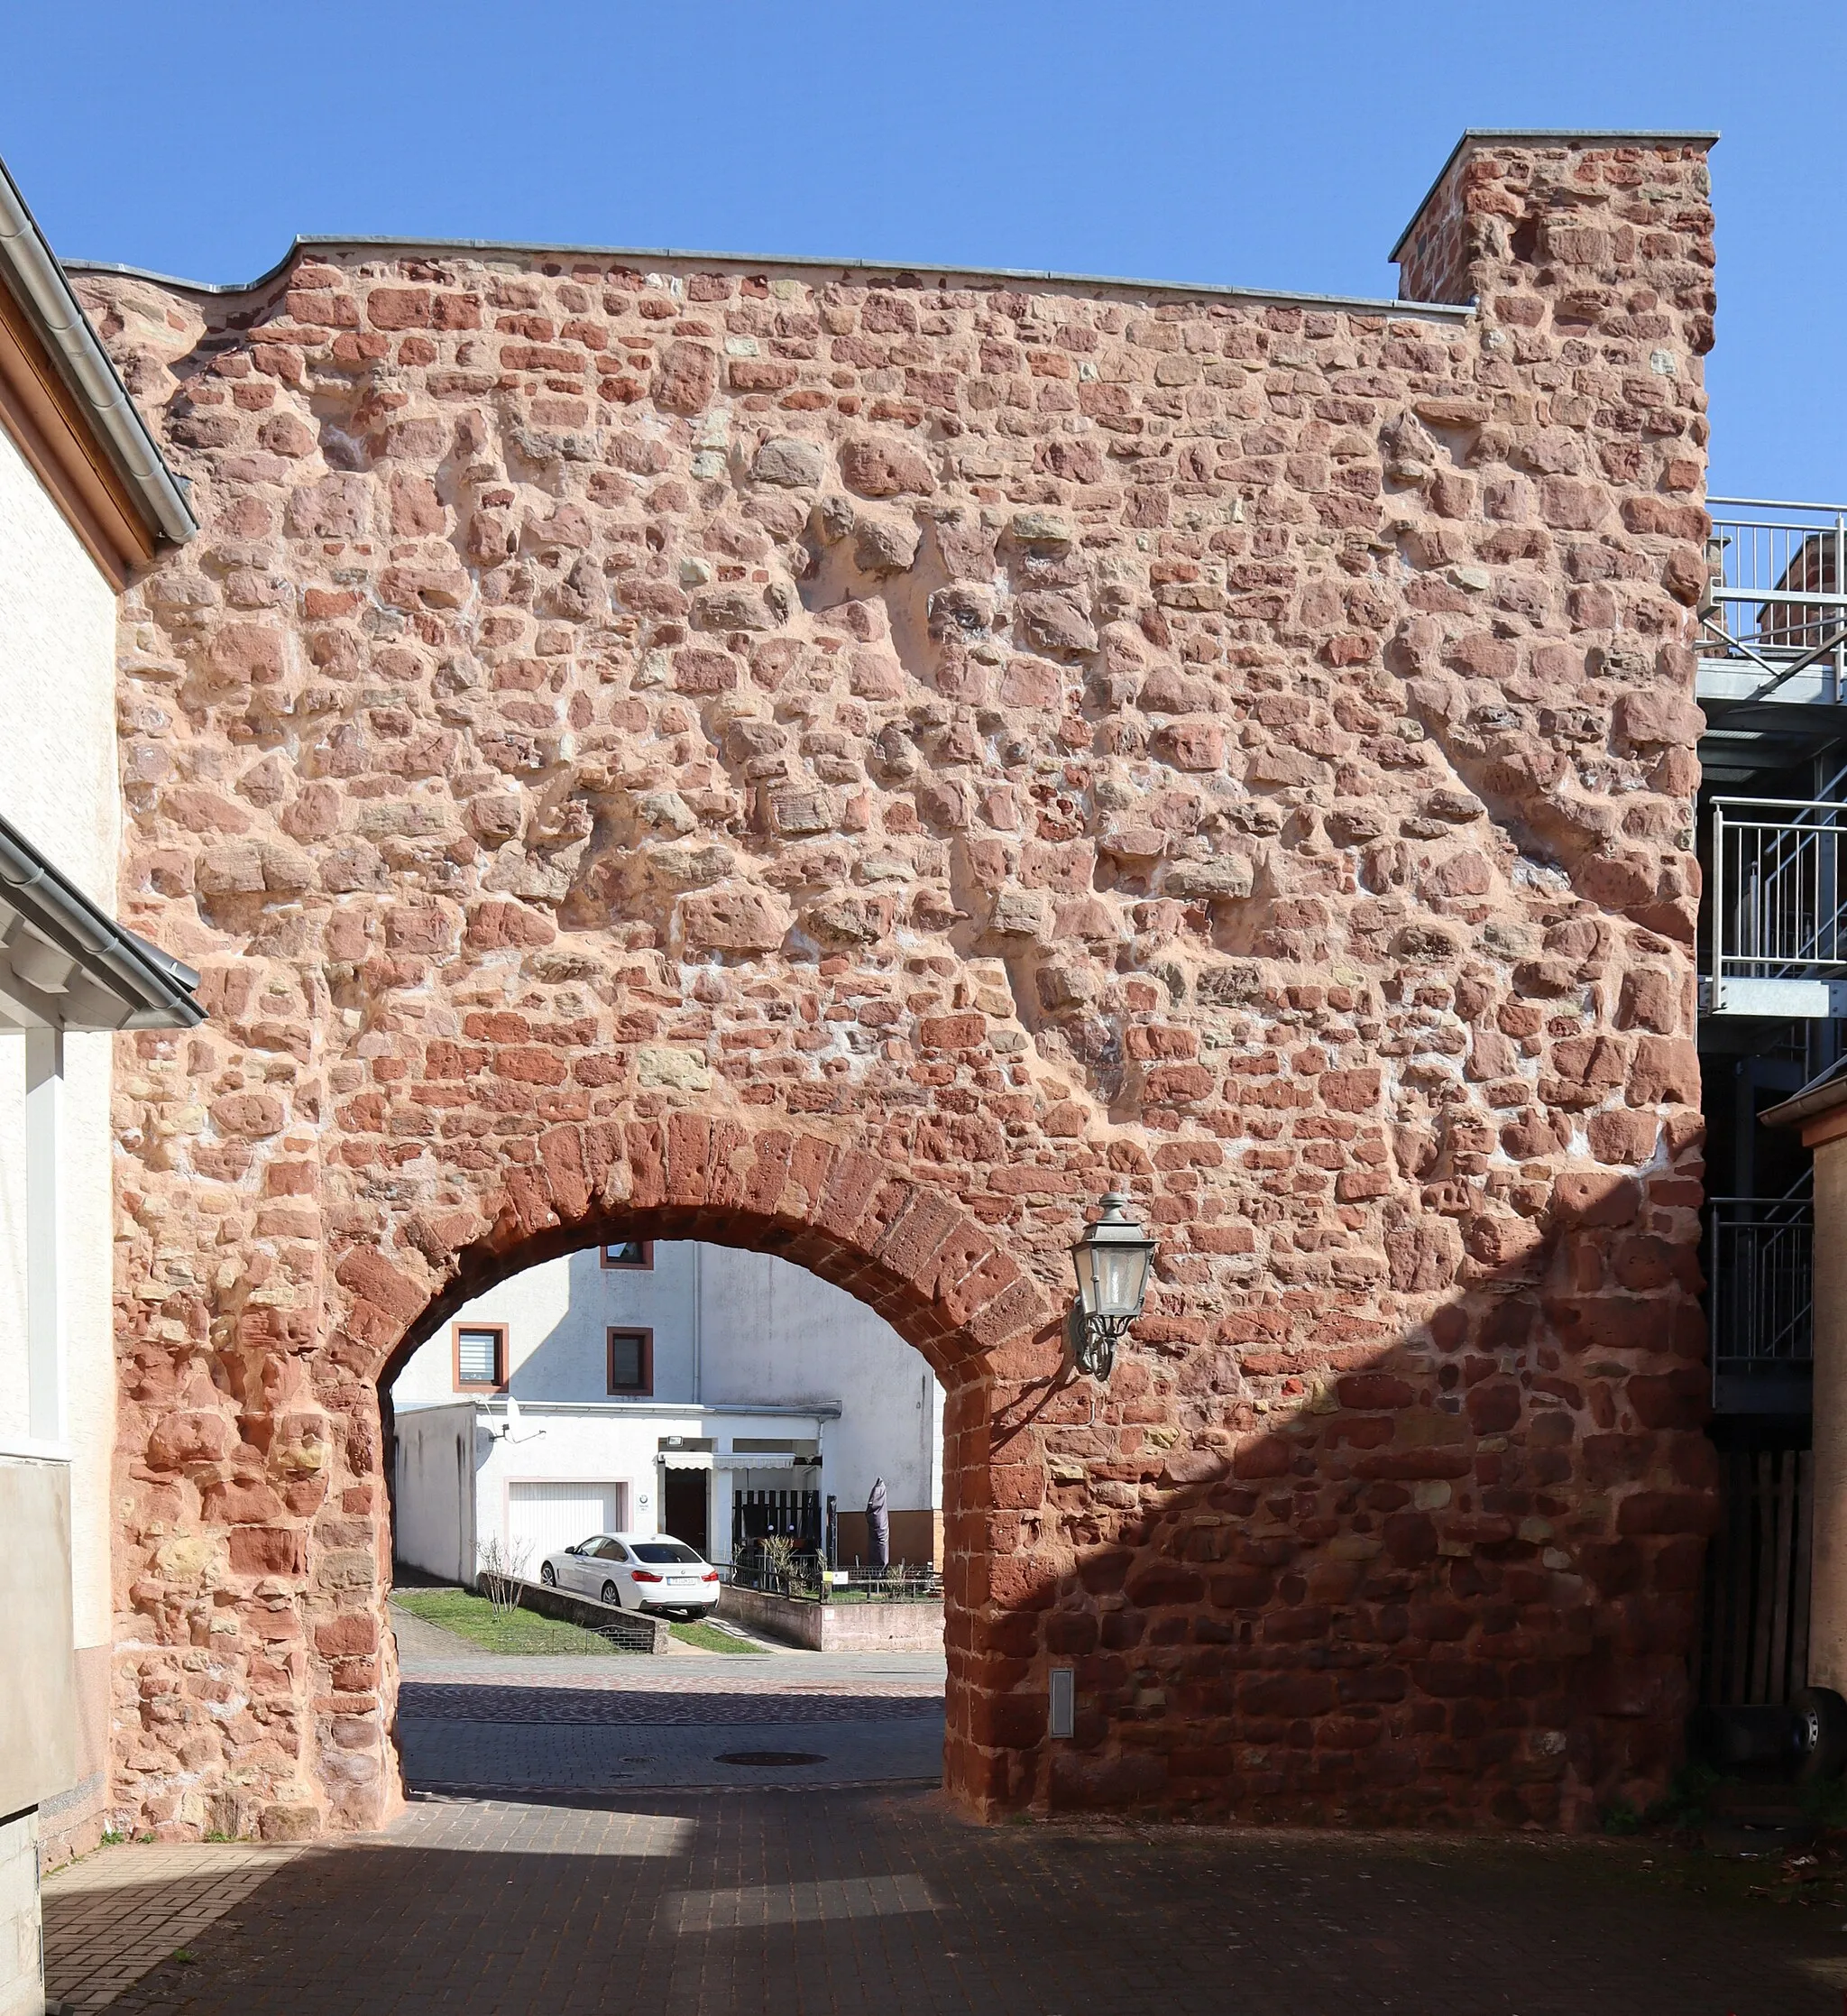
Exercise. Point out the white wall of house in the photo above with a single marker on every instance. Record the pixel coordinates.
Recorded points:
(564, 1471)
(776, 1332)
(745, 1346)
(437, 1461)
(59, 786)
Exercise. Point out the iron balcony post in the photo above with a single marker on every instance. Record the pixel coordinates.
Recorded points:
(1839, 667)
(1718, 934)
(1715, 1291)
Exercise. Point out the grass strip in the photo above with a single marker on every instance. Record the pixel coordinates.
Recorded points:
(474, 1618)
(701, 1637)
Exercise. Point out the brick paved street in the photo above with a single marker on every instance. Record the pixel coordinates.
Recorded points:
(848, 1903)
(601, 1885)
(578, 1739)
(503, 1724)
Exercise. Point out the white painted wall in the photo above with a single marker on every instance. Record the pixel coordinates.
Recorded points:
(776, 1332)
(610, 1443)
(58, 785)
(734, 1333)
(435, 1489)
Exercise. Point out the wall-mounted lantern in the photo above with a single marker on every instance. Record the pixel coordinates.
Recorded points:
(1112, 1262)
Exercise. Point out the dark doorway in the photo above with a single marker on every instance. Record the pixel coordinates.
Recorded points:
(683, 1506)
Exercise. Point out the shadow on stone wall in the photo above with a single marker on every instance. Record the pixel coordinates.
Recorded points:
(1451, 1574)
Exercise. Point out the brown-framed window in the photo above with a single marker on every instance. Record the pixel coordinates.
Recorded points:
(631, 1361)
(636, 1253)
(480, 1357)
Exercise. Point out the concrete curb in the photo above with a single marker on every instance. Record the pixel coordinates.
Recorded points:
(629, 1629)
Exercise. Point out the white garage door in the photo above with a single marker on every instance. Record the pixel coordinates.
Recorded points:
(546, 1517)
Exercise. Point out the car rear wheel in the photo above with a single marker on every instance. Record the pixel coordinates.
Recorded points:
(548, 1575)
(611, 1597)
(1820, 1733)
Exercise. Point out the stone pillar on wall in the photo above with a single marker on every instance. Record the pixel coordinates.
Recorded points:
(1579, 211)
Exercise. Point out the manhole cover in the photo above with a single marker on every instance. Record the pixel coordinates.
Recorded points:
(770, 1757)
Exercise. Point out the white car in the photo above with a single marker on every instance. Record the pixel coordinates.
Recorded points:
(636, 1571)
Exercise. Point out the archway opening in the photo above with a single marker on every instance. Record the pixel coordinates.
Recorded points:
(716, 1394)
(631, 1536)
(683, 1303)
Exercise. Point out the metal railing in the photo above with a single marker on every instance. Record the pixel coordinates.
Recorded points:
(1777, 600)
(1774, 871)
(795, 1516)
(1759, 1264)
(807, 1577)
(757, 1567)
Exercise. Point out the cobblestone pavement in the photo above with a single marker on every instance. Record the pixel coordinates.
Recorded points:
(490, 1724)
(809, 1750)
(555, 1863)
(849, 1903)
(444, 1701)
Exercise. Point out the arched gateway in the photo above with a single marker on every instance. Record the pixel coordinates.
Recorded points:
(909, 1250)
(858, 765)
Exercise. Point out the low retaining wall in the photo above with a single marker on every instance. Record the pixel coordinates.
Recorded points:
(835, 1626)
(629, 1629)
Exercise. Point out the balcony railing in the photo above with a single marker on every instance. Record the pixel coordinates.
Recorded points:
(1760, 1262)
(1776, 937)
(1773, 623)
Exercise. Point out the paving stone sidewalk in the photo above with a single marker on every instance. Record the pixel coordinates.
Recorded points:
(111, 1917)
(440, 1658)
(575, 1875)
(882, 1903)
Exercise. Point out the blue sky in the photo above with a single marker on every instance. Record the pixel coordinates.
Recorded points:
(1265, 145)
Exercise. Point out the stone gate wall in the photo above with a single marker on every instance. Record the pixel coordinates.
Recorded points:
(859, 762)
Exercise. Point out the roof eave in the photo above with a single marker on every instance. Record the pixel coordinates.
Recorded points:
(37, 281)
(154, 990)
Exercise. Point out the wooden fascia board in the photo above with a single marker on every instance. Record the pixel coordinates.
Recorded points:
(45, 421)
(1824, 1127)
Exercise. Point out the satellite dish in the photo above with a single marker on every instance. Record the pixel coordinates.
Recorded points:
(510, 1433)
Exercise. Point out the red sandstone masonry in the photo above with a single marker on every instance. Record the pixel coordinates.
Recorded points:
(857, 766)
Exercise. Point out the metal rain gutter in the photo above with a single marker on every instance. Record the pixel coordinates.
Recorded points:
(37, 278)
(156, 988)
(1823, 1097)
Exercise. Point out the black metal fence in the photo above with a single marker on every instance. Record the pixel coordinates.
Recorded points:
(770, 1566)
(794, 1516)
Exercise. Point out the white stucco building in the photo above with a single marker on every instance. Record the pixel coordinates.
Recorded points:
(85, 500)
(673, 1387)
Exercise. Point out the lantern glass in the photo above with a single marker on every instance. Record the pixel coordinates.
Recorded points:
(1111, 1263)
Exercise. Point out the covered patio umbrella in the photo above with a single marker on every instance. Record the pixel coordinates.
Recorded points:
(878, 1525)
